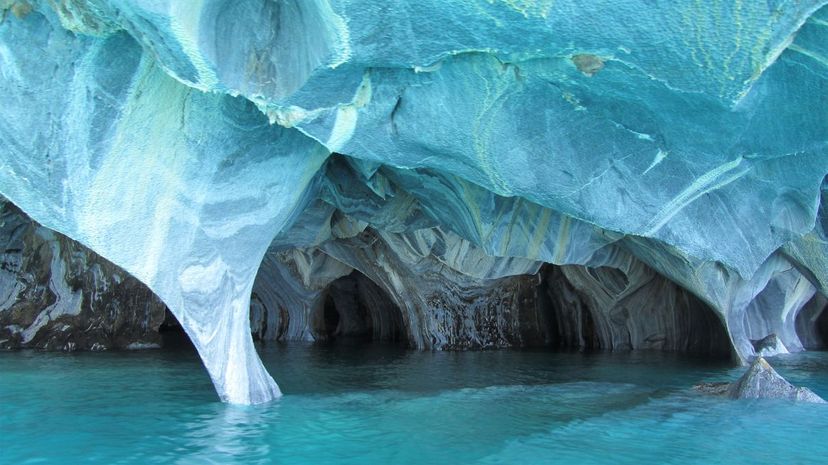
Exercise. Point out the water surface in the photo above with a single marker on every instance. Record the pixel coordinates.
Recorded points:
(376, 404)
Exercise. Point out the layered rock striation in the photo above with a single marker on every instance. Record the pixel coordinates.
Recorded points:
(56, 294)
(653, 171)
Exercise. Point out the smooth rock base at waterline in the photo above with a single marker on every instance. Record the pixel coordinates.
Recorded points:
(760, 381)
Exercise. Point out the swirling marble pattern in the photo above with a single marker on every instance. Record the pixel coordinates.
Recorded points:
(185, 142)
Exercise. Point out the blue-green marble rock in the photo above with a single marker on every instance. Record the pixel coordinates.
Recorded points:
(182, 140)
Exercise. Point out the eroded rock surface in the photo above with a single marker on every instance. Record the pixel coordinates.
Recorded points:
(187, 142)
(56, 294)
(761, 381)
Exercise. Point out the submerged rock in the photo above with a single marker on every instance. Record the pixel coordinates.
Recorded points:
(761, 381)
(720, 388)
(769, 346)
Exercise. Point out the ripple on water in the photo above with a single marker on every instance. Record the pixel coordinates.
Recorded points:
(379, 404)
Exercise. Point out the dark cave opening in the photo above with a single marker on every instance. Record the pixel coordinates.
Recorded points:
(822, 327)
(172, 333)
(705, 332)
(601, 308)
(812, 323)
(355, 309)
(330, 319)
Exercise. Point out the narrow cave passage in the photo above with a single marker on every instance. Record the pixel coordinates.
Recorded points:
(355, 309)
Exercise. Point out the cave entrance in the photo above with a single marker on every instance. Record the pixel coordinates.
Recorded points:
(357, 310)
(330, 318)
(812, 323)
(172, 333)
(699, 329)
(602, 308)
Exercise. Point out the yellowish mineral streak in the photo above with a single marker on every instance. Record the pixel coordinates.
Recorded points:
(498, 87)
(21, 9)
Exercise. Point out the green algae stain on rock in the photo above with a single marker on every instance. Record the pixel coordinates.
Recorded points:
(21, 9)
(588, 64)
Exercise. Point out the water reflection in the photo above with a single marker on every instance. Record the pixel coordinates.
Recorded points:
(223, 433)
(319, 369)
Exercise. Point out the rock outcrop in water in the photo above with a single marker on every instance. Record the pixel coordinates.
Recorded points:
(761, 381)
(452, 153)
(56, 294)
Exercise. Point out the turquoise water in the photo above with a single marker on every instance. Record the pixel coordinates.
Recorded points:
(381, 405)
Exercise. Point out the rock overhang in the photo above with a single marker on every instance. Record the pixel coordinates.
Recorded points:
(692, 137)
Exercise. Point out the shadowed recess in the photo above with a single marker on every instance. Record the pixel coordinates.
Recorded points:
(239, 157)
